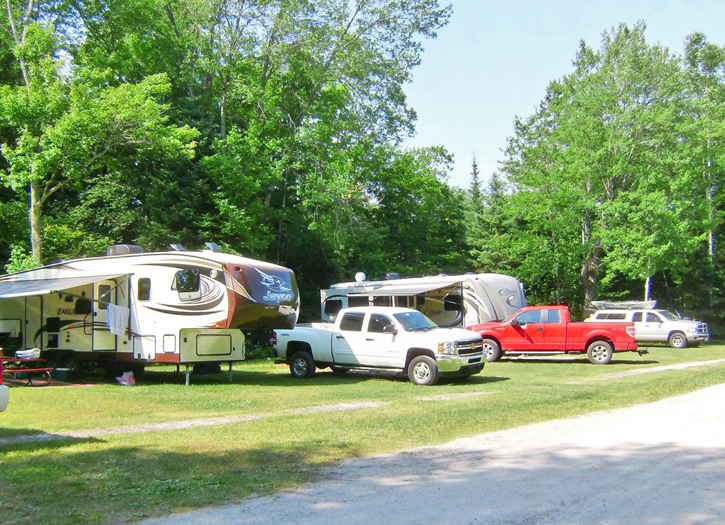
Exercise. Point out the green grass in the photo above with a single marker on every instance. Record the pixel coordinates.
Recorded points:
(125, 477)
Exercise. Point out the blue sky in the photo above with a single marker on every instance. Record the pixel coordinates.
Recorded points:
(494, 60)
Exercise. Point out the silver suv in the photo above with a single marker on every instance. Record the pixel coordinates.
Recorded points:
(657, 326)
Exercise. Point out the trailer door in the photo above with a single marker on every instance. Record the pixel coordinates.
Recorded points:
(103, 339)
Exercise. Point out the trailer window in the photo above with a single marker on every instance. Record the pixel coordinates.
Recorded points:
(352, 322)
(187, 281)
(144, 289)
(103, 299)
(332, 306)
(356, 300)
(382, 300)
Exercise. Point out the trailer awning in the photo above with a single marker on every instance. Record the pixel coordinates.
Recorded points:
(28, 287)
(405, 289)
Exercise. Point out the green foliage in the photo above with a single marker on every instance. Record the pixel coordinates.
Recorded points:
(20, 259)
(273, 128)
(614, 179)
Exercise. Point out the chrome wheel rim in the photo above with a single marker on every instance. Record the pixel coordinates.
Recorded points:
(421, 372)
(677, 340)
(488, 349)
(300, 366)
(599, 353)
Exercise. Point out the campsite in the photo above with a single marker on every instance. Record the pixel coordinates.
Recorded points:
(145, 451)
(185, 183)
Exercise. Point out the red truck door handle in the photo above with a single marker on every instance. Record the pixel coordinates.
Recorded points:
(539, 329)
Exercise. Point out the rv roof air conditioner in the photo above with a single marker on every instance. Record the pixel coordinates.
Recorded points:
(389, 276)
(177, 247)
(123, 249)
(213, 246)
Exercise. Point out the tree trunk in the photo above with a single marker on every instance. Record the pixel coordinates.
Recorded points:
(590, 273)
(36, 242)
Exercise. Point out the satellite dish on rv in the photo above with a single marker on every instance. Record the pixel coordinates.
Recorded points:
(360, 277)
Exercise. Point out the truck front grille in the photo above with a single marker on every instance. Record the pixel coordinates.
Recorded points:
(469, 347)
(702, 329)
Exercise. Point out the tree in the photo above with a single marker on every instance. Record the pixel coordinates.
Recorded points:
(68, 123)
(605, 148)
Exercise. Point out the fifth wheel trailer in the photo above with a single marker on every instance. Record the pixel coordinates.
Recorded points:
(451, 301)
(131, 308)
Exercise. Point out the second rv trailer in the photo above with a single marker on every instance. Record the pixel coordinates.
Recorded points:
(451, 301)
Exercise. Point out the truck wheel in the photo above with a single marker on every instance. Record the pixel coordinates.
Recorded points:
(491, 350)
(423, 370)
(302, 365)
(678, 340)
(600, 353)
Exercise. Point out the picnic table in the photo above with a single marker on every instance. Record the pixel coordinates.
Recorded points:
(36, 370)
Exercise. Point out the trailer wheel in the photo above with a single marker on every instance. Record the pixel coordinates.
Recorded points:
(302, 365)
(600, 353)
(678, 340)
(423, 370)
(492, 350)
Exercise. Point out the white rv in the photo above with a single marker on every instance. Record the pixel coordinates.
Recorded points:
(451, 301)
(131, 308)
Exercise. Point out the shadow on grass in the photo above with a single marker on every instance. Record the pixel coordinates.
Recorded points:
(577, 361)
(321, 378)
(51, 443)
(126, 484)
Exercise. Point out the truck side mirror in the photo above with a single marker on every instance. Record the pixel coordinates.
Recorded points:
(515, 322)
(390, 329)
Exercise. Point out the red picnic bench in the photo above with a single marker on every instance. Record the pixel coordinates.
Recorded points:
(37, 373)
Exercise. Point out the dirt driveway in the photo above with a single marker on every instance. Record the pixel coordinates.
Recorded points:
(656, 464)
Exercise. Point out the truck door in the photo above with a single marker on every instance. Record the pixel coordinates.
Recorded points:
(528, 334)
(379, 347)
(348, 338)
(554, 330)
(103, 339)
(651, 329)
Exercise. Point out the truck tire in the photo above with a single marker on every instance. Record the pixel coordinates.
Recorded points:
(678, 340)
(302, 365)
(423, 370)
(600, 353)
(492, 350)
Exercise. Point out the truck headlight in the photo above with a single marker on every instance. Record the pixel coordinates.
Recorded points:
(692, 329)
(447, 348)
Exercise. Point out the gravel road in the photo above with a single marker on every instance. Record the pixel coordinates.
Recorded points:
(657, 464)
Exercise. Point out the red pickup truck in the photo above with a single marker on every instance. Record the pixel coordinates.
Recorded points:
(546, 329)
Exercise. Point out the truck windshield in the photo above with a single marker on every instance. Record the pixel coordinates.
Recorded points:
(415, 321)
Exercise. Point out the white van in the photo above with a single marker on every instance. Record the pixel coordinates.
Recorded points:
(657, 326)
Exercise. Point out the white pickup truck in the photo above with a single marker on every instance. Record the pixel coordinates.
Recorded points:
(381, 338)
